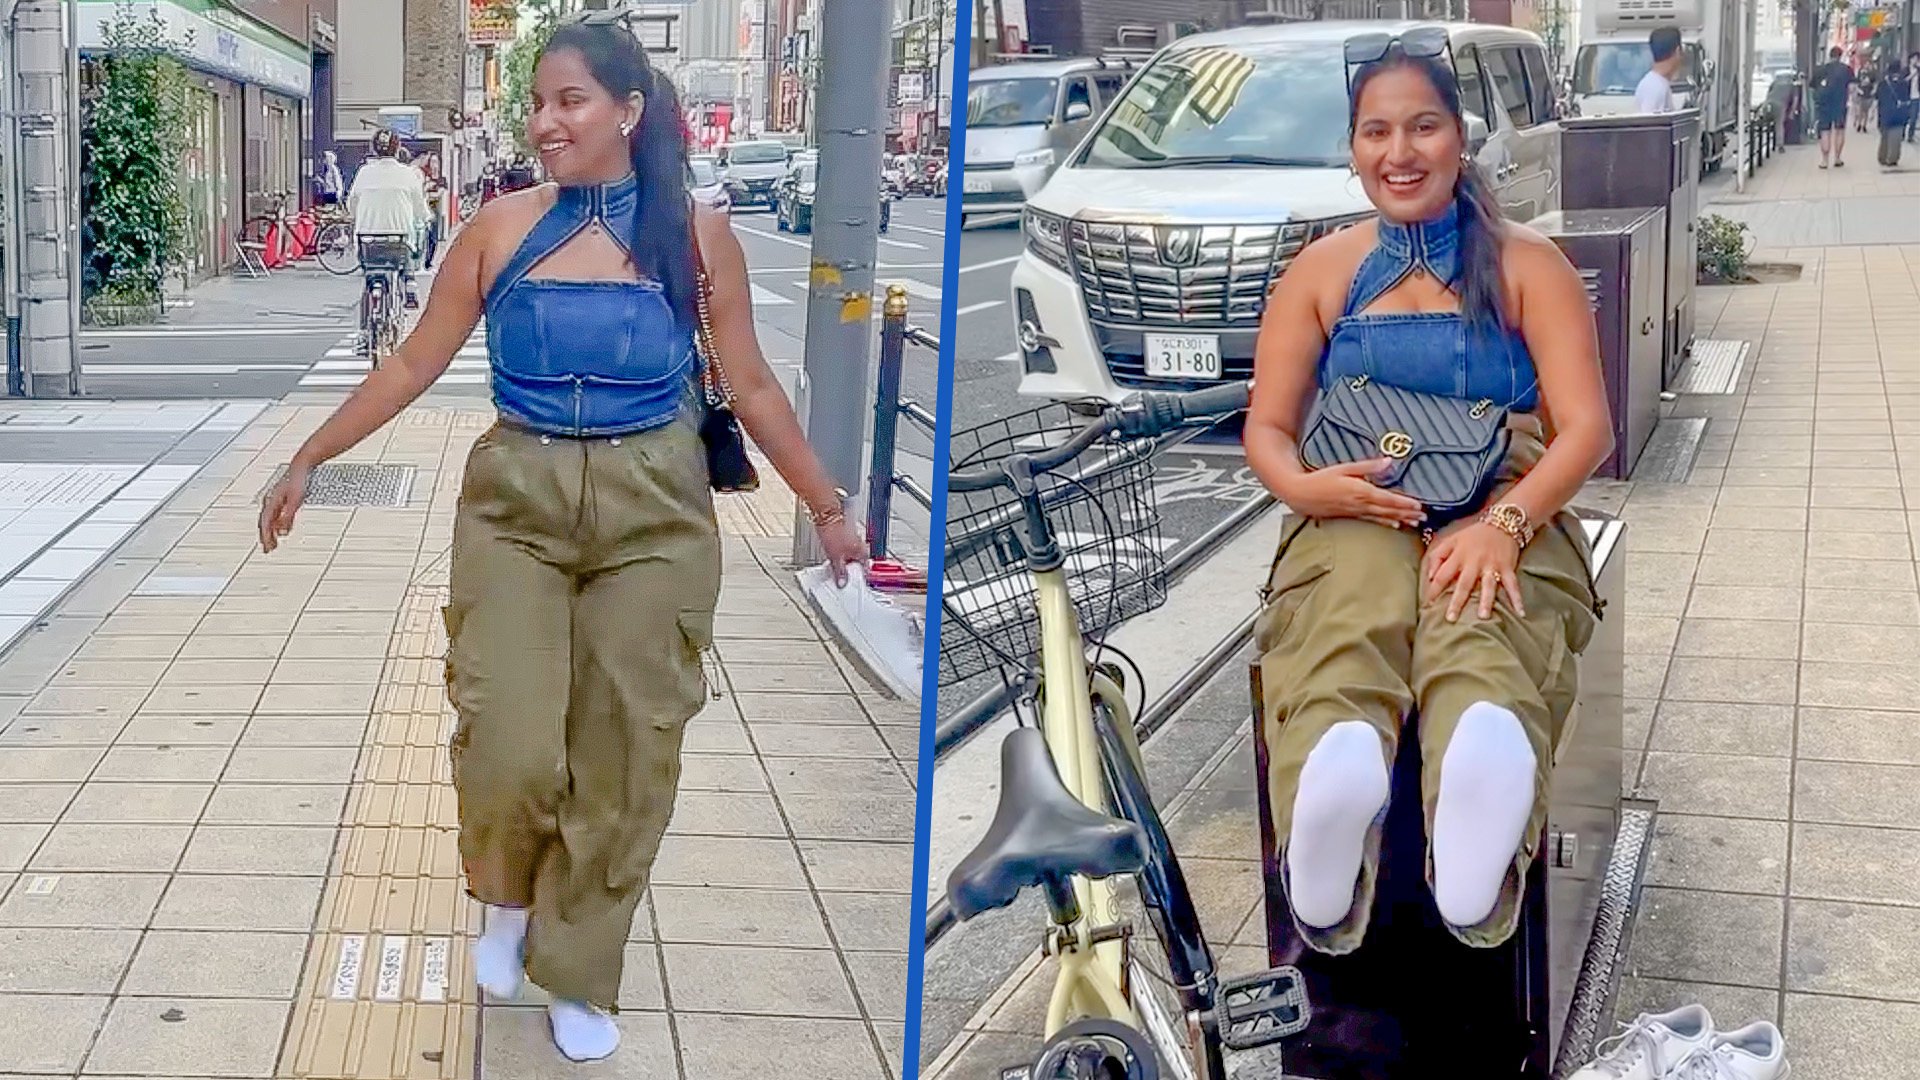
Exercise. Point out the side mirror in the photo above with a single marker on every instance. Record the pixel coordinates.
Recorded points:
(1477, 133)
(1078, 110)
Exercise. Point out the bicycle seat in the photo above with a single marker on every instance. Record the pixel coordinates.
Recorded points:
(1040, 833)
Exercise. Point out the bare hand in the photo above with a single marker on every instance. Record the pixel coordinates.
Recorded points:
(282, 502)
(1348, 491)
(1472, 556)
(844, 547)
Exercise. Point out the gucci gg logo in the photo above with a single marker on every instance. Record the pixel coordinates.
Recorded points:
(1396, 444)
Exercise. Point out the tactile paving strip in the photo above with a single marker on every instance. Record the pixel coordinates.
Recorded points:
(387, 994)
(352, 483)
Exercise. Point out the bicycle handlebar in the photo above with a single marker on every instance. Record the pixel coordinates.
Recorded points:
(1146, 414)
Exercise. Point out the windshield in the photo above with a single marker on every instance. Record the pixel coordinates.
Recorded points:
(756, 153)
(1272, 104)
(1009, 102)
(700, 173)
(1617, 67)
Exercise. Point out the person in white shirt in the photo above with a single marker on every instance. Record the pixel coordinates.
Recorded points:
(1655, 92)
(390, 199)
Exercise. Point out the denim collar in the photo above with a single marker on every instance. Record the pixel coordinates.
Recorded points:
(613, 203)
(1434, 243)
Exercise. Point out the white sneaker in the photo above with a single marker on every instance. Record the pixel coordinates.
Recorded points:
(1651, 1047)
(1755, 1052)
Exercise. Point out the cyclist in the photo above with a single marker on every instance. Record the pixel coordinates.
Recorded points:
(389, 200)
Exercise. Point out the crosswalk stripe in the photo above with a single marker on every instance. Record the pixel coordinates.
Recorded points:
(354, 378)
(765, 297)
(110, 369)
(363, 364)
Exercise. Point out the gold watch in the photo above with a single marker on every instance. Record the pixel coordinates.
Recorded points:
(1510, 519)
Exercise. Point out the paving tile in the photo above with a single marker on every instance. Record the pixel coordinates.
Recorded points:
(726, 814)
(18, 843)
(181, 729)
(304, 699)
(320, 765)
(239, 902)
(163, 763)
(190, 1037)
(35, 802)
(1860, 950)
(139, 803)
(1711, 727)
(203, 698)
(47, 1033)
(259, 849)
(1855, 863)
(1716, 937)
(1851, 1037)
(1701, 678)
(38, 730)
(878, 922)
(1743, 602)
(229, 963)
(84, 901)
(111, 848)
(1730, 1006)
(812, 776)
(45, 960)
(1752, 639)
(518, 1046)
(719, 860)
(49, 763)
(1728, 854)
(276, 804)
(219, 671)
(1862, 606)
(1724, 785)
(722, 916)
(729, 1046)
(1845, 793)
(305, 731)
(233, 647)
(722, 772)
(853, 817)
(1859, 735)
(1856, 685)
(734, 980)
(881, 981)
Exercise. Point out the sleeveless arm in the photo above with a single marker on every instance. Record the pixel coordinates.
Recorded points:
(1285, 356)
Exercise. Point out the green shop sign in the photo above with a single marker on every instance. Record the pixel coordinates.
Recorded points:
(220, 40)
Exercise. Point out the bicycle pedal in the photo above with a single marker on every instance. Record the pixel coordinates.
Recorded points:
(1260, 1010)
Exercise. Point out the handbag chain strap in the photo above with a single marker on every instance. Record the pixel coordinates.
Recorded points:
(713, 379)
(1480, 407)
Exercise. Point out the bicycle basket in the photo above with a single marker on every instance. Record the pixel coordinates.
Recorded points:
(1104, 516)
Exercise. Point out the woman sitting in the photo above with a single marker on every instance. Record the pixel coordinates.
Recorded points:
(1374, 611)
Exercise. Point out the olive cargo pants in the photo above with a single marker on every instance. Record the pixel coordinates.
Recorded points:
(584, 578)
(1344, 635)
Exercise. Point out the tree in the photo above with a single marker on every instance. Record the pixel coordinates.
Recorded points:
(516, 64)
(135, 130)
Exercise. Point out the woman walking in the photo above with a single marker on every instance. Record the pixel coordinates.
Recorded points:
(586, 558)
(1369, 617)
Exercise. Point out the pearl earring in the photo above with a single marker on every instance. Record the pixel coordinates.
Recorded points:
(626, 130)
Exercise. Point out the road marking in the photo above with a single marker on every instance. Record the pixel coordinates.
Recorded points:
(990, 265)
(346, 974)
(433, 970)
(903, 243)
(941, 233)
(982, 306)
(765, 297)
(355, 378)
(774, 236)
(189, 369)
(393, 968)
(1008, 358)
(216, 331)
(362, 364)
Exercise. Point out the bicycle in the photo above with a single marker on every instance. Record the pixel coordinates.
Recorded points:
(384, 259)
(324, 234)
(1075, 817)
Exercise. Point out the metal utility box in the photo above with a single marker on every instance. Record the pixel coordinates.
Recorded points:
(1619, 256)
(1627, 162)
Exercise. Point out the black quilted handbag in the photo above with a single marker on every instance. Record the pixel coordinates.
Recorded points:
(1444, 451)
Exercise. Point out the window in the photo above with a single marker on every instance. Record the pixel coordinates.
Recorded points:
(1078, 92)
(1473, 87)
(1510, 82)
(1540, 86)
(1109, 86)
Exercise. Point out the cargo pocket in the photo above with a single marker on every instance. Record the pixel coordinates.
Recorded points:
(696, 638)
(1298, 565)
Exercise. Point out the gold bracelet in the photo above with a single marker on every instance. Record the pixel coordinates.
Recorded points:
(833, 515)
(1510, 519)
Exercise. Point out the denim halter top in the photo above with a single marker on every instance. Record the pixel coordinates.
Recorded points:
(585, 358)
(1431, 352)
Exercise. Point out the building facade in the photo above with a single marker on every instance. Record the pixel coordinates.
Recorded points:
(260, 103)
(924, 57)
(404, 65)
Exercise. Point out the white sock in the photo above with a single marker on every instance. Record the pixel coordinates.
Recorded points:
(1486, 797)
(1343, 785)
(582, 1032)
(499, 955)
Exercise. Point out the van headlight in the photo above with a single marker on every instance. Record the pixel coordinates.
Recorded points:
(1031, 158)
(1046, 235)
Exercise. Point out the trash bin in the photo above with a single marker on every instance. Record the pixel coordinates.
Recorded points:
(1619, 256)
(1626, 162)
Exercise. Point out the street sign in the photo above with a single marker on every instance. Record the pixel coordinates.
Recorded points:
(490, 23)
(911, 89)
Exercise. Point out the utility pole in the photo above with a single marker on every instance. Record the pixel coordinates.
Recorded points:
(832, 395)
(38, 102)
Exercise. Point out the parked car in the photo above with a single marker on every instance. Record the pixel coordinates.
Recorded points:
(1024, 119)
(703, 180)
(750, 170)
(1149, 254)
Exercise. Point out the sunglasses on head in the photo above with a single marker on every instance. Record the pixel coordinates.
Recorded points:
(1421, 41)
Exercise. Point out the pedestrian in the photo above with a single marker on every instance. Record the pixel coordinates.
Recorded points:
(1831, 83)
(1655, 92)
(1913, 96)
(1892, 106)
(1369, 618)
(331, 187)
(1865, 90)
(585, 560)
(436, 185)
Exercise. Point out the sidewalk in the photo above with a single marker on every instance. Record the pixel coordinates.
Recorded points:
(1773, 677)
(227, 828)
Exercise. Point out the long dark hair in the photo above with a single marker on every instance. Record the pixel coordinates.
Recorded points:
(1482, 292)
(658, 148)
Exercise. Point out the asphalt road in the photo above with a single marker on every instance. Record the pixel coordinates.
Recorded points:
(296, 336)
(1196, 484)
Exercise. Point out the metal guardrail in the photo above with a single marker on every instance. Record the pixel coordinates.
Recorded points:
(888, 409)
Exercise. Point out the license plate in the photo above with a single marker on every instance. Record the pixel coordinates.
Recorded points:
(1182, 356)
(975, 185)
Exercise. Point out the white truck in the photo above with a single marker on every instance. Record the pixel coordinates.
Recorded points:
(1613, 56)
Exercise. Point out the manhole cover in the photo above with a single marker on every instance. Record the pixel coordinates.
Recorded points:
(354, 484)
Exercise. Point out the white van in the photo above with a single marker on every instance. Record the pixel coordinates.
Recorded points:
(1150, 252)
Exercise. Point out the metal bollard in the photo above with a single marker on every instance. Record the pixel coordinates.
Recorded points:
(886, 419)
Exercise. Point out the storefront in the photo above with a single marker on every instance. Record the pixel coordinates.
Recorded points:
(249, 116)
